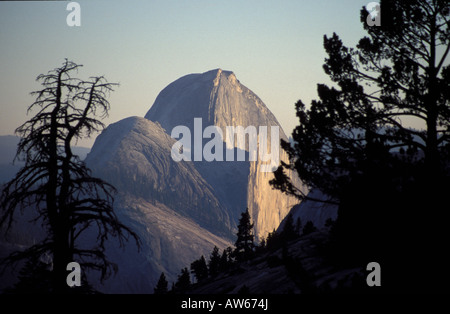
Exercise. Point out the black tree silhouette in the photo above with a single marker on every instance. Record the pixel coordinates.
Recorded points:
(56, 184)
(356, 143)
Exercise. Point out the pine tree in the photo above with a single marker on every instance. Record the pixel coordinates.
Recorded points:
(34, 278)
(244, 243)
(273, 240)
(199, 269)
(298, 226)
(400, 71)
(226, 260)
(161, 286)
(356, 143)
(214, 262)
(288, 232)
(263, 243)
(309, 228)
(184, 281)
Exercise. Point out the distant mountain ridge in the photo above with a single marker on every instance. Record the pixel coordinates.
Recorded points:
(8, 147)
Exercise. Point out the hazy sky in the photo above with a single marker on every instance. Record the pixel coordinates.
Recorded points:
(275, 48)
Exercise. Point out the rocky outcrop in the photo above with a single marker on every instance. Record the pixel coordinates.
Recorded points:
(169, 242)
(134, 155)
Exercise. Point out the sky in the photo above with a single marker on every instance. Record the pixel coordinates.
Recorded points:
(275, 48)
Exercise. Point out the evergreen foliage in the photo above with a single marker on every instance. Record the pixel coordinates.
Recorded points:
(161, 286)
(244, 243)
(199, 269)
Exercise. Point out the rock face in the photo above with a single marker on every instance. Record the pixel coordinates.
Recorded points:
(134, 155)
(169, 205)
(215, 96)
(169, 242)
(219, 99)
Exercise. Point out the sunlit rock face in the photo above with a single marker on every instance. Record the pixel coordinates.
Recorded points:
(219, 99)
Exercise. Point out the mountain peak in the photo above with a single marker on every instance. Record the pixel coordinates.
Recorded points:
(217, 79)
(217, 74)
(216, 96)
(227, 75)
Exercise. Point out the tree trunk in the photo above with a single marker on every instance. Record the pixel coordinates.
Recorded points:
(432, 160)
